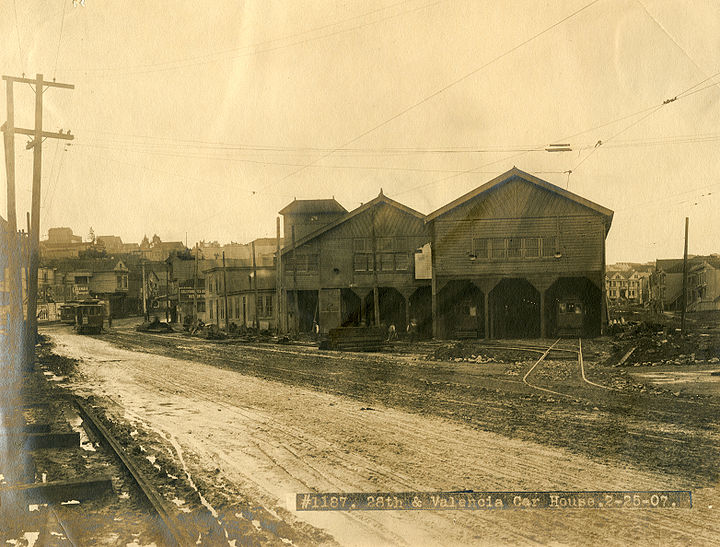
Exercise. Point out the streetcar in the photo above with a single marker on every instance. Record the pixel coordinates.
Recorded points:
(570, 317)
(67, 313)
(89, 316)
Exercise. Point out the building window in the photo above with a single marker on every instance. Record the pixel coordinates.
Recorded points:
(402, 262)
(211, 310)
(362, 262)
(514, 247)
(385, 262)
(532, 247)
(480, 247)
(264, 306)
(119, 282)
(307, 263)
(498, 248)
(549, 246)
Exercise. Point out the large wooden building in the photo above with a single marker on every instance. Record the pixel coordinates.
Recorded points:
(353, 268)
(518, 257)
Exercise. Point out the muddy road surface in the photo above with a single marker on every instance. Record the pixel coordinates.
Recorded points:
(264, 422)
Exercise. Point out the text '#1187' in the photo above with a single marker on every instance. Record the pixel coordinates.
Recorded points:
(471, 501)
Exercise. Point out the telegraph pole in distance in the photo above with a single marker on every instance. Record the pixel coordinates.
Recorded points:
(227, 319)
(255, 285)
(278, 278)
(36, 144)
(195, 281)
(685, 280)
(144, 294)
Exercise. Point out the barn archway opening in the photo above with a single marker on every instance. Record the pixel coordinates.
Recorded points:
(515, 309)
(461, 309)
(573, 307)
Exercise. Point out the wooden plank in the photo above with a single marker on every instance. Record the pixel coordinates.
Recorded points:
(57, 491)
(37, 441)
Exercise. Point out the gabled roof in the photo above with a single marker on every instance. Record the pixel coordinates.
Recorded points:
(381, 198)
(516, 173)
(310, 206)
(675, 265)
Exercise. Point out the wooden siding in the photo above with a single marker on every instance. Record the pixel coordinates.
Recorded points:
(335, 250)
(518, 209)
(518, 198)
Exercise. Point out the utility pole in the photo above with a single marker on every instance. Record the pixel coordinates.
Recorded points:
(255, 285)
(376, 295)
(685, 280)
(36, 144)
(296, 305)
(278, 277)
(195, 281)
(227, 328)
(144, 293)
(167, 292)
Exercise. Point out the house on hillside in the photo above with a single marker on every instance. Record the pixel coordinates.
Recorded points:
(518, 257)
(627, 286)
(703, 288)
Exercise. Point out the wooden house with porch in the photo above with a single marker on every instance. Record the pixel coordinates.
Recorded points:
(354, 268)
(518, 257)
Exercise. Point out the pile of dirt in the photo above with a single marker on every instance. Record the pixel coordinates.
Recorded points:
(154, 326)
(59, 365)
(662, 348)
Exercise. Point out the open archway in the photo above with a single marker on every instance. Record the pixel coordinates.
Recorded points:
(515, 309)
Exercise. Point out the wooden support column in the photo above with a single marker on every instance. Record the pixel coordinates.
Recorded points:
(543, 318)
(407, 310)
(486, 310)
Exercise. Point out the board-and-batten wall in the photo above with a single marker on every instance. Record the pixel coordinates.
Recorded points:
(519, 209)
(335, 250)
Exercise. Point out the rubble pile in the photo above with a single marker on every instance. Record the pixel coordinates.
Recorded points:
(472, 352)
(663, 348)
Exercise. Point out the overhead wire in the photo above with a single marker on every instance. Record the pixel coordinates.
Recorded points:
(62, 24)
(119, 73)
(21, 61)
(441, 90)
(240, 48)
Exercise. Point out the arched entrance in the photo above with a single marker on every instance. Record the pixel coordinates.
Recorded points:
(349, 308)
(421, 311)
(515, 309)
(461, 310)
(392, 308)
(573, 307)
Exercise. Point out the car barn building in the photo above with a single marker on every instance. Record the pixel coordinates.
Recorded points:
(356, 269)
(518, 257)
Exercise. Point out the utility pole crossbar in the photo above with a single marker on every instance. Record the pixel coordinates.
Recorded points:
(37, 132)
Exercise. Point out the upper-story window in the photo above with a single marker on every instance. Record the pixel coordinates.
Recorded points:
(304, 263)
(513, 248)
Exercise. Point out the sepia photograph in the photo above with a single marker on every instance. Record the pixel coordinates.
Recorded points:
(359, 273)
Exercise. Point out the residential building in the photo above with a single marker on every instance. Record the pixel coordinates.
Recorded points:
(249, 292)
(62, 243)
(703, 287)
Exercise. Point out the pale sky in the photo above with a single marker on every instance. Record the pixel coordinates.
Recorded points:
(199, 117)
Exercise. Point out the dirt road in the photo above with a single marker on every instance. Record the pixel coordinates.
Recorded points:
(266, 439)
